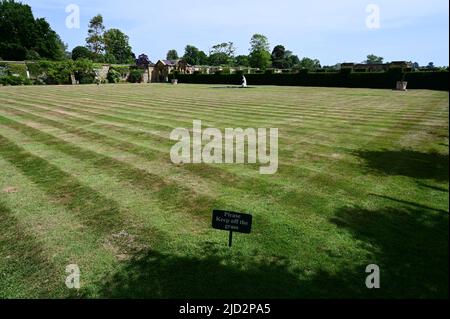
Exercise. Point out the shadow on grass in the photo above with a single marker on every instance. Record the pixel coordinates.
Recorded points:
(413, 204)
(408, 163)
(409, 244)
(158, 275)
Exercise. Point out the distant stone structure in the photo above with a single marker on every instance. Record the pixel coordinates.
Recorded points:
(163, 68)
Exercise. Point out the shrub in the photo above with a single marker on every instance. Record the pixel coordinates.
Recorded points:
(84, 71)
(58, 72)
(35, 69)
(14, 80)
(3, 70)
(113, 76)
(19, 69)
(136, 76)
(81, 52)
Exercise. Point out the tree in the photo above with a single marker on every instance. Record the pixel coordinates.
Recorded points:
(172, 55)
(291, 59)
(95, 41)
(80, 52)
(283, 59)
(309, 64)
(279, 57)
(143, 61)
(373, 59)
(222, 54)
(117, 48)
(259, 42)
(22, 37)
(191, 55)
(48, 44)
(431, 66)
(260, 59)
(194, 56)
(260, 56)
(242, 60)
(202, 58)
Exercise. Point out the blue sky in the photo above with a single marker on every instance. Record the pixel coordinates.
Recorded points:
(331, 31)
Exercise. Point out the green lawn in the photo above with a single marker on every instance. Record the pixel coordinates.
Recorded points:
(86, 178)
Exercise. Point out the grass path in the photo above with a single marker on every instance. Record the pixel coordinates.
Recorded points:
(86, 178)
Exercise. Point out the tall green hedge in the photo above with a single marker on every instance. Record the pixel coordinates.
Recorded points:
(378, 80)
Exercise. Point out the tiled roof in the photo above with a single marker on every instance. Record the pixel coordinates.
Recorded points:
(170, 62)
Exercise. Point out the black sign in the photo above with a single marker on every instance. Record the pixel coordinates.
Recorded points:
(233, 222)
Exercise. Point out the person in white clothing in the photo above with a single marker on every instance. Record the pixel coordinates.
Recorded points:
(244, 82)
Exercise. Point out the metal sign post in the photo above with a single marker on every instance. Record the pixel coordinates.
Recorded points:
(232, 222)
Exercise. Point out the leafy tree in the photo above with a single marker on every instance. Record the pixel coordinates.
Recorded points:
(202, 58)
(278, 53)
(95, 41)
(260, 59)
(222, 54)
(260, 56)
(80, 52)
(309, 64)
(194, 56)
(48, 44)
(279, 57)
(259, 42)
(291, 59)
(373, 59)
(242, 60)
(17, 30)
(117, 47)
(172, 55)
(283, 59)
(191, 55)
(23, 37)
(431, 66)
(143, 61)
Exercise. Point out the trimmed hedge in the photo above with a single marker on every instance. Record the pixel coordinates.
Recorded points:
(378, 80)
